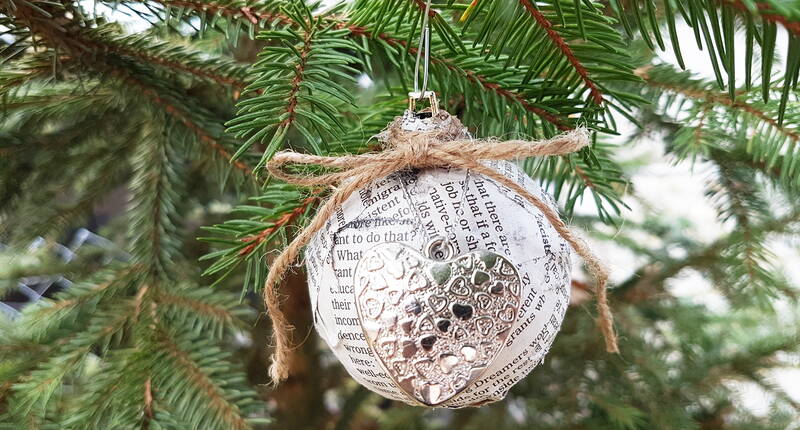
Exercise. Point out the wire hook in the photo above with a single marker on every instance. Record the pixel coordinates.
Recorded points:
(424, 46)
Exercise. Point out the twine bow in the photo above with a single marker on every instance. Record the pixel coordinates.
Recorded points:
(447, 146)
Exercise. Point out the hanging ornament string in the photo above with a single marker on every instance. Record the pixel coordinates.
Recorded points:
(412, 149)
(423, 55)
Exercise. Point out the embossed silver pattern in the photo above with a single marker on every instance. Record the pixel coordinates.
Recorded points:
(435, 324)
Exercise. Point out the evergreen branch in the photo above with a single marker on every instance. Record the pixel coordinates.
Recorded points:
(299, 87)
(381, 13)
(714, 25)
(243, 238)
(742, 132)
(79, 41)
(186, 120)
(470, 75)
(569, 177)
(297, 81)
(253, 241)
(721, 254)
(770, 386)
(114, 402)
(564, 48)
(361, 31)
(251, 12)
(38, 387)
(153, 212)
(196, 306)
(773, 169)
(743, 201)
(172, 57)
(56, 141)
(558, 60)
(79, 298)
(22, 73)
(716, 98)
(763, 9)
(51, 100)
(509, 95)
(742, 125)
(189, 373)
(202, 309)
(95, 173)
(503, 71)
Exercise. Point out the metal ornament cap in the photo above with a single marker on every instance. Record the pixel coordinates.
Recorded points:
(435, 322)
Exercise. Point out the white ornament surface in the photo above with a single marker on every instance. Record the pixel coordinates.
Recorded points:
(475, 214)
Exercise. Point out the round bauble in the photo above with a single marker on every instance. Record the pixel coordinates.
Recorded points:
(439, 287)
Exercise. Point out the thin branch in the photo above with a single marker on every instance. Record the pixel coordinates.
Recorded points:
(216, 399)
(148, 402)
(196, 306)
(743, 220)
(181, 116)
(297, 80)
(256, 239)
(149, 57)
(655, 273)
(564, 47)
(720, 99)
(99, 288)
(698, 131)
(585, 178)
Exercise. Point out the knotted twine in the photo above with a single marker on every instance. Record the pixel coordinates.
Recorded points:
(445, 146)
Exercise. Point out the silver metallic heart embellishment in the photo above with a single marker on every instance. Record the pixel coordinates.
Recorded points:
(435, 322)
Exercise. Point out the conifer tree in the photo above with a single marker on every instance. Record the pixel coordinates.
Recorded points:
(162, 330)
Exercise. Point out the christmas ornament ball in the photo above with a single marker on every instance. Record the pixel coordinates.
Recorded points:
(439, 287)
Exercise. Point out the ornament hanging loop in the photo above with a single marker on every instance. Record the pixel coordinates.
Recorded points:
(430, 95)
(424, 57)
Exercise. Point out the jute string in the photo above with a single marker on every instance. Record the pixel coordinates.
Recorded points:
(443, 147)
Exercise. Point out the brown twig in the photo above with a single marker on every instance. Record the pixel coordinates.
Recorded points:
(297, 80)
(585, 178)
(216, 399)
(422, 5)
(580, 285)
(148, 399)
(720, 99)
(155, 59)
(257, 239)
(188, 123)
(562, 45)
